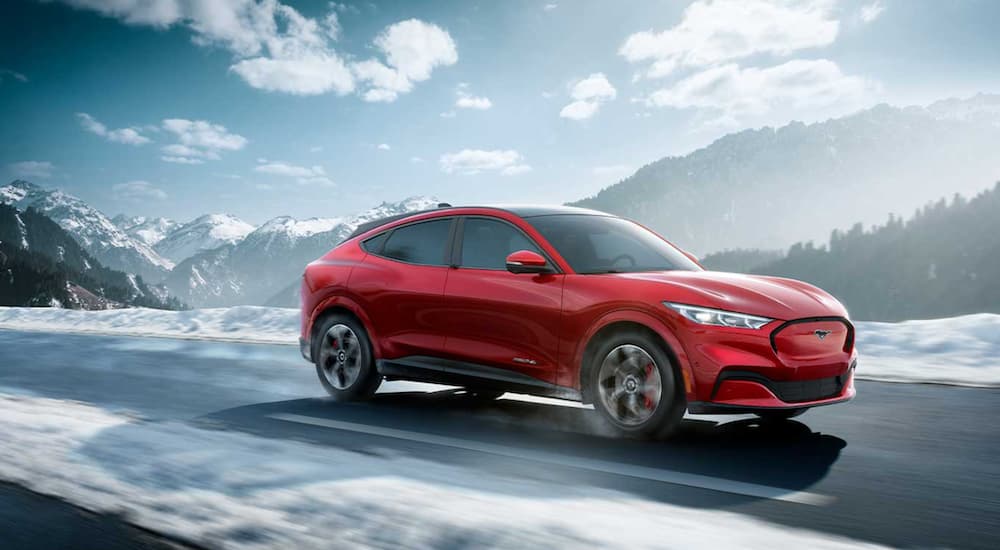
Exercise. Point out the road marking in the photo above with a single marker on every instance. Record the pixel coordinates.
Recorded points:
(641, 472)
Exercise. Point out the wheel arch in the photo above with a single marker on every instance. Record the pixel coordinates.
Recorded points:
(342, 305)
(633, 320)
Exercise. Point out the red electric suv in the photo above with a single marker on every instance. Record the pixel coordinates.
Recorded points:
(568, 303)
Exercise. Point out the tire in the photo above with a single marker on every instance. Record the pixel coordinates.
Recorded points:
(779, 415)
(625, 371)
(345, 363)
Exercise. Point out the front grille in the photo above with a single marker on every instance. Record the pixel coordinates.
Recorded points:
(798, 391)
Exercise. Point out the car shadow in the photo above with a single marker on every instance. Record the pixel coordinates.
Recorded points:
(787, 455)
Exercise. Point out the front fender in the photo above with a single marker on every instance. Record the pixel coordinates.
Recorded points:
(674, 348)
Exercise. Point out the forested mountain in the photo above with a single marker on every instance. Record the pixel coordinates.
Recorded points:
(42, 265)
(90, 228)
(740, 260)
(768, 188)
(944, 261)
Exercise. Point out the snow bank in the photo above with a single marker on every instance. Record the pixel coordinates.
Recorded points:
(234, 490)
(237, 324)
(962, 351)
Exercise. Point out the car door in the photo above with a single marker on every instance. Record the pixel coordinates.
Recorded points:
(496, 318)
(401, 283)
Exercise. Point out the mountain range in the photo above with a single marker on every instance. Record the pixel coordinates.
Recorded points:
(752, 192)
(768, 188)
(41, 264)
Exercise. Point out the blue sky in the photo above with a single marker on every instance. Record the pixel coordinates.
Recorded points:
(266, 108)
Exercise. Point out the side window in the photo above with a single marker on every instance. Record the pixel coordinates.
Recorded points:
(487, 243)
(374, 244)
(420, 243)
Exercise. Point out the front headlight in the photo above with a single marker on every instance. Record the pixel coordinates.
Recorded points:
(718, 317)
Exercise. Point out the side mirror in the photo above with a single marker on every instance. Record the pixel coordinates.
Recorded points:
(526, 261)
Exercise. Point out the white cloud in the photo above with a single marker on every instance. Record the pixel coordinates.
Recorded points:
(383, 147)
(716, 31)
(129, 136)
(138, 191)
(474, 161)
(550, 7)
(304, 75)
(157, 13)
(316, 149)
(13, 74)
(305, 175)
(733, 91)
(276, 48)
(416, 160)
(468, 101)
(181, 160)
(412, 50)
(871, 11)
(588, 95)
(448, 114)
(198, 141)
(32, 168)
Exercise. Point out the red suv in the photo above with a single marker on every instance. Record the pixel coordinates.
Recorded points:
(568, 303)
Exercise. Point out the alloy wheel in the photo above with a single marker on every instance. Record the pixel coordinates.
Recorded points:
(629, 385)
(341, 356)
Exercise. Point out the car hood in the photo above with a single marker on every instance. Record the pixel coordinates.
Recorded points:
(773, 297)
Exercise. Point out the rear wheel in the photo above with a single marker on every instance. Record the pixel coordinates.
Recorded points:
(344, 360)
(778, 415)
(635, 386)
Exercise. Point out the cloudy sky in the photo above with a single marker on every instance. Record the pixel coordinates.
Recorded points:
(311, 108)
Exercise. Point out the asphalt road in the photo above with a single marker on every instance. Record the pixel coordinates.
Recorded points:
(903, 464)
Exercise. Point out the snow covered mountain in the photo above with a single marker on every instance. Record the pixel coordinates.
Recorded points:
(147, 230)
(95, 232)
(771, 187)
(204, 233)
(270, 258)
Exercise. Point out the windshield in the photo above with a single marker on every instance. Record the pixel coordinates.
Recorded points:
(605, 244)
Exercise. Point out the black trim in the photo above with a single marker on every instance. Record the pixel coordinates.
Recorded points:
(790, 391)
(460, 373)
(848, 343)
(305, 348)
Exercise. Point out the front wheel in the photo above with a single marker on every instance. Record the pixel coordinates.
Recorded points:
(344, 360)
(635, 386)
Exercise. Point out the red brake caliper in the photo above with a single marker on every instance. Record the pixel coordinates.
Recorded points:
(647, 401)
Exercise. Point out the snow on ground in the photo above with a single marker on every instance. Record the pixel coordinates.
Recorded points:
(236, 490)
(962, 351)
(236, 324)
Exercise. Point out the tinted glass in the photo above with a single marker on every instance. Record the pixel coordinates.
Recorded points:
(374, 244)
(420, 243)
(487, 243)
(603, 244)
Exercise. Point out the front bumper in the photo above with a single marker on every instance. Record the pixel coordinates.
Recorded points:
(797, 364)
(738, 392)
(305, 348)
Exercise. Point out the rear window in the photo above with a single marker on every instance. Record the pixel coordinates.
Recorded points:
(421, 243)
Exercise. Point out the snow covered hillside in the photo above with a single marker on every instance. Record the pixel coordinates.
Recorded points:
(94, 231)
(269, 258)
(963, 351)
(201, 234)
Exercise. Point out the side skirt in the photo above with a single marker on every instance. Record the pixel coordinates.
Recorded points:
(420, 368)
